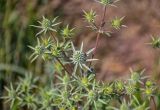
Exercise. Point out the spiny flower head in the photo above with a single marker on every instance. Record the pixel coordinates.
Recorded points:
(91, 94)
(67, 32)
(137, 76)
(47, 42)
(119, 86)
(39, 50)
(148, 91)
(77, 97)
(117, 23)
(85, 81)
(79, 58)
(130, 89)
(150, 88)
(29, 100)
(155, 42)
(89, 16)
(58, 48)
(108, 90)
(46, 25)
(13, 95)
(149, 83)
(27, 83)
(107, 2)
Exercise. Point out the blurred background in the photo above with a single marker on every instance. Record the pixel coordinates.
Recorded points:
(126, 48)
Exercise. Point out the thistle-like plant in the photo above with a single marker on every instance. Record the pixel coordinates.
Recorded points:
(72, 83)
(119, 86)
(80, 58)
(107, 2)
(39, 50)
(90, 16)
(67, 32)
(155, 42)
(117, 23)
(13, 95)
(130, 89)
(137, 76)
(46, 25)
(29, 101)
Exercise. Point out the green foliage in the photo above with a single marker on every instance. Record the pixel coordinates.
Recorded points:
(80, 92)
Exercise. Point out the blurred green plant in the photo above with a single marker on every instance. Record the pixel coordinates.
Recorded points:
(81, 92)
(15, 34)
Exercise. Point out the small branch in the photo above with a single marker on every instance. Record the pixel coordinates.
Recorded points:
(62, 65)
(71, 68)
(53, 36)
(57, 57)
(99, 32)
(63, 53)
(100, 29)
(155, 107)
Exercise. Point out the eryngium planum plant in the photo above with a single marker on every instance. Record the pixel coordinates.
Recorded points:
(74, 86)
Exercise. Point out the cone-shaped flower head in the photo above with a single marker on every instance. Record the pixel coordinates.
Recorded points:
(80, 58)
(46, 25)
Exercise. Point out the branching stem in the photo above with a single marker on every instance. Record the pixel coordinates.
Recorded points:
(63, 53)
(62, 65)
(99, 32)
